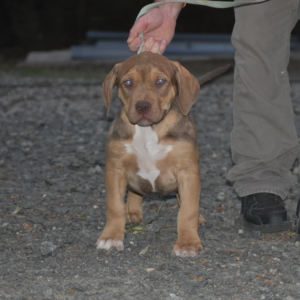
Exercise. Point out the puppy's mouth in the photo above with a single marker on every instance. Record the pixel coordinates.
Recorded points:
(144, 121)
(147, 119)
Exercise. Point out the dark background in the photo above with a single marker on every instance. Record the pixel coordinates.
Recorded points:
(27, 25)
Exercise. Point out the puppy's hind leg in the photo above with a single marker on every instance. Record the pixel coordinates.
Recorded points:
(134, 210)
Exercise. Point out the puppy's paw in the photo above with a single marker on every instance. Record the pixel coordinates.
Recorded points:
(110, 238)
(135, 216)
(187, 248)
(107, 244)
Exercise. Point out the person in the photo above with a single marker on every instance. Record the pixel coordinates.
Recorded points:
(264, 141)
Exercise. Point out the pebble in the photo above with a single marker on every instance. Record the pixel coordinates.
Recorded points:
(91, 171)
(241, 231)
(61, 209)
(48, 294)
(297, 244)
(221, 196)
(98, 169)
(80, 149)
(48, 248)
(264, 289)
(250, 275)
(255, 234)
(172, 201)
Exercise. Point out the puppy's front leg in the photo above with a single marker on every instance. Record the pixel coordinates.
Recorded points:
(113, 233)
(189, 187)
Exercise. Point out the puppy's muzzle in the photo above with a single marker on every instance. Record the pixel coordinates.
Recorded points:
(143, 107)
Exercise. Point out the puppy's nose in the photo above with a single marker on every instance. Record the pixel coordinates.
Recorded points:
(143, 107)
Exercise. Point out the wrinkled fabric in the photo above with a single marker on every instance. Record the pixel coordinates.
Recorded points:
(264, 141)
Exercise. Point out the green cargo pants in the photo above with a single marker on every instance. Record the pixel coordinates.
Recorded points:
(264, 141)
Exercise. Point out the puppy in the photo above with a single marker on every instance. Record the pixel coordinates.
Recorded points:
(152, 147)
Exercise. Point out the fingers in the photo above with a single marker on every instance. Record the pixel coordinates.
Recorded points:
(163, 46)
(135, 44)
(150, 45)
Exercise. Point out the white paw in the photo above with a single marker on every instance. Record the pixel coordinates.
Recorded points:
(103, 244)
(186, 253)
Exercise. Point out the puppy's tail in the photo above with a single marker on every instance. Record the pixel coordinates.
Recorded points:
(213, 74)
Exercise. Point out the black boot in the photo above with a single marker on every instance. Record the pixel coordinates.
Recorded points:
(265, 212)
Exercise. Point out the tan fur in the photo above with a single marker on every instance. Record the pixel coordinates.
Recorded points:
(169, 119)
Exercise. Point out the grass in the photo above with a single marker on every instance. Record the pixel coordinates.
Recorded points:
(136, 228)
(65, 72)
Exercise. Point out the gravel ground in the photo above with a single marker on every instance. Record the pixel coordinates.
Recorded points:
(52, 163)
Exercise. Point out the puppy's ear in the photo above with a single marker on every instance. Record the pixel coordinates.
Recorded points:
(188, 88)
(108, 85)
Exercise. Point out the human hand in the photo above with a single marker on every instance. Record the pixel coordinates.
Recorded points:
(158, 26)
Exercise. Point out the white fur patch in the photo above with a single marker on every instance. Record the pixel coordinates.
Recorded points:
(110, 243)
(145, 146)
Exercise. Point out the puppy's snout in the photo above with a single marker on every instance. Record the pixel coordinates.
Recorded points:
(143, 107)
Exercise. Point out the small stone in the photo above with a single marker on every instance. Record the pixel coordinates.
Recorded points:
(200, 285)
(48, 294)
(98, 169)
(155, 275)
(173, 297)
(78, 286)
(255, 234)
(221, 196)
(264, 289)
(2, 162)
(288, 298)
(36, 220)
(240, 231)
(26, 150)
(61, 209)
(172, 201)
(29, 246)
(91, 171)
(80, 149)
(297, 244)
(61, 188)
(76, 276)
(250, 275)
(48, 248)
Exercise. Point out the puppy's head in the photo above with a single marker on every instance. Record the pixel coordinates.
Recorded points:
(148, 84)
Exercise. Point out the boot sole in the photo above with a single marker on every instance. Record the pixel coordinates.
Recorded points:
(265, 228)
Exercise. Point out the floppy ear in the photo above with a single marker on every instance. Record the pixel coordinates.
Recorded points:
(188, 88)
(108, 85)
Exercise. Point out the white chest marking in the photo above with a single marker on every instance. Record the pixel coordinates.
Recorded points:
(145, 146)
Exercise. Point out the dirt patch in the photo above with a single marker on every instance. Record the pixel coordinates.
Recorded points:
(52, 163)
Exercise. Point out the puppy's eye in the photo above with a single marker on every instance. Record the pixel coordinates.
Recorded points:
(128, 82)
(160, 81)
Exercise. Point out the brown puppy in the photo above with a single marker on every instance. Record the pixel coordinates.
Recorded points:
(152, 147)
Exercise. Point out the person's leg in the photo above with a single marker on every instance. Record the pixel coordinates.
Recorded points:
(264, 142)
